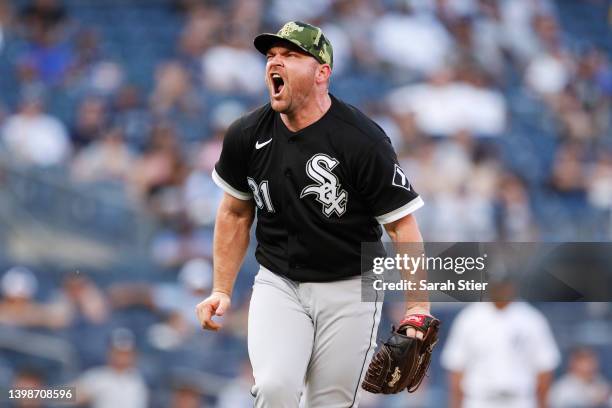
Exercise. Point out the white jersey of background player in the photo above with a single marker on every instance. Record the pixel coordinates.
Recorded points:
(500, 354)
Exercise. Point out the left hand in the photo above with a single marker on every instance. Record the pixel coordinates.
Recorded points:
(416, 310)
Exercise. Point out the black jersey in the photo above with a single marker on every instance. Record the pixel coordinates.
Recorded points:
(319, 192)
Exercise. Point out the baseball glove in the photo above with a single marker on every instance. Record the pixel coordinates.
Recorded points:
(402, 361)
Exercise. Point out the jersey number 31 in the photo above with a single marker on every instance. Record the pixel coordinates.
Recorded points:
(261, 194)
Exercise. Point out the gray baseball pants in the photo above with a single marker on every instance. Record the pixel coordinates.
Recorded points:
(315, 339)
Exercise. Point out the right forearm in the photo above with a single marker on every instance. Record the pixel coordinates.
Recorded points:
(231, 241)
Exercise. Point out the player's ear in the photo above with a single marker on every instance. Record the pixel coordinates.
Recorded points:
(323, 73)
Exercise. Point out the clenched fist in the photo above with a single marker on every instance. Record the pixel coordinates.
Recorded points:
(214, 305)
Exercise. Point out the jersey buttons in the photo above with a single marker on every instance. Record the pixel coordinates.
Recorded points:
(287, 172)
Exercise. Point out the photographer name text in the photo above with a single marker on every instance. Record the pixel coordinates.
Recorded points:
(449, 285)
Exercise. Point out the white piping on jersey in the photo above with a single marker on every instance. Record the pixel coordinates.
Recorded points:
(225, 186)
(398, 213)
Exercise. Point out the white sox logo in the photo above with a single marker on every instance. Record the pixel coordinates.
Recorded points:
(327, 190)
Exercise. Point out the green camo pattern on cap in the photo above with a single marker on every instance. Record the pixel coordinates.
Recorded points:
(310, 39)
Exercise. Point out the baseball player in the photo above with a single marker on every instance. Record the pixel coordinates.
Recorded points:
(510, 363)
(321, 177)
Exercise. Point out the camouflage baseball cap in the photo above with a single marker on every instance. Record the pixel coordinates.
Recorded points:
(306, 36)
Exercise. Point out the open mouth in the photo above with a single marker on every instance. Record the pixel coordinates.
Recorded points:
(277, 83)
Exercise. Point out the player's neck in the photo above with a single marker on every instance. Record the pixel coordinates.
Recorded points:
(307, 114)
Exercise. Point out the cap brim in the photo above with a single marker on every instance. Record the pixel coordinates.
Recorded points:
(263, 42)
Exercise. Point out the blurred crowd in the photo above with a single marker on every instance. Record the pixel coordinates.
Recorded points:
(132, 344)
(455, 100)
(499, 113)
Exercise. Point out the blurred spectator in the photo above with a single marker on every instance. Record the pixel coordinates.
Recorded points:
(43, 15)
(461, 204)
(180, 242)
(202, 197)
(197, 36)
(104, 77)
(234, 66)
(108, 159)
(175, 302)
(6, 16)
(487, 39)
(600, 181)
(34, 138)
(582, 386)
(421, 160)
(517, 19)
(548, 74)
(593, 88)
(246, 15)
(84, 299)
(458, 221)
(18, 307)
(191, 7)
(90, 122)
(3, 116)
(578, 94)
(132, 116)
(237, 393)
(355, 17)
(28, 379)
(503, 365)
(185, 395)
(428, 49)
(89, 315)
(447, 104)
(175, 99)
(284, 11)
(575, 122)
(91, 71)
(87, 51)
(48, 56)
(515, 221)
(161, 169)
(118, 383)
(546, 29)
(568, 173)
(174, 93)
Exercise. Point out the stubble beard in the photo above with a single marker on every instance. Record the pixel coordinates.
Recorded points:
(281, 105)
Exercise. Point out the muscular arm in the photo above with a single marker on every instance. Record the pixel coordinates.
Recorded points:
(406, 230)
(232, 227)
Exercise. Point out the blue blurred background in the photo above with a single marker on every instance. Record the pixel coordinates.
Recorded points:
(112, 115)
